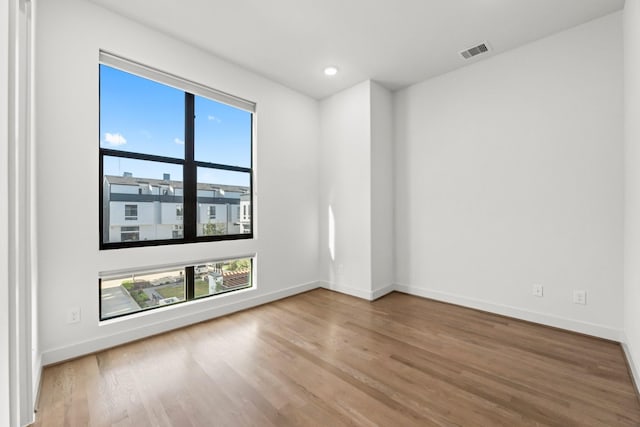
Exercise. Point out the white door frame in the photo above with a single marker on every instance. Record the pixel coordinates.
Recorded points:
(17, 193)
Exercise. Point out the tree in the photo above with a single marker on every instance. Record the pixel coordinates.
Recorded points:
(214, 229)
(238, 264)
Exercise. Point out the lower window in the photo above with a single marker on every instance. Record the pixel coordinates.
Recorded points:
(129, 293)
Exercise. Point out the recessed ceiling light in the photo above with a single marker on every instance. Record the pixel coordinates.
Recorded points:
(330, 71)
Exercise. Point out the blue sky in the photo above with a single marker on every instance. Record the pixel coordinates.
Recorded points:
(143, 116)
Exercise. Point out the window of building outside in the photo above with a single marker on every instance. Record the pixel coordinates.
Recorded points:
(130, 234)
(175, 166)
(130, 212)
(172, 153)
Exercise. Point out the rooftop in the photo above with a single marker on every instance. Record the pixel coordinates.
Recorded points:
(135, 181)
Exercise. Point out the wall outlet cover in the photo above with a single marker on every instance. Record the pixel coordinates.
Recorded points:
(537, 290)
(73, 315)
(580, 297)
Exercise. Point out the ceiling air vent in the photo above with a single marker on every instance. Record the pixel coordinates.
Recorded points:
(474, 51)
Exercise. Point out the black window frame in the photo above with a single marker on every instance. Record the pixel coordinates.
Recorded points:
(189, 164)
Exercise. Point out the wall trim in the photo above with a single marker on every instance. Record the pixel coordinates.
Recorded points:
(380, 292)
(78, 349)
(358, 293)
(587, 328)
(634, 370)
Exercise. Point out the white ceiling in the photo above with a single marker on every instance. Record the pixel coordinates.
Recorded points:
(395, 42)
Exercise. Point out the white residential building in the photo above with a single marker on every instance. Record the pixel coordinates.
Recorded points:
(152, 209)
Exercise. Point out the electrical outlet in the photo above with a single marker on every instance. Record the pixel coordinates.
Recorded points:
(537, 290)
(580, 297)
(73, 315)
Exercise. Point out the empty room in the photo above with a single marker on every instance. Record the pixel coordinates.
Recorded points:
(320, 213)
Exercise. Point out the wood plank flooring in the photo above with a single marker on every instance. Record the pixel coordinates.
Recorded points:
(326, 359)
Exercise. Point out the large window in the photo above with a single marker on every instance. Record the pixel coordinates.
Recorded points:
(175, 159)
(132, 292)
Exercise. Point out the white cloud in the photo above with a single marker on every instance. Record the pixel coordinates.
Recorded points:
(178, 141)
(115, 138)
(214, 119)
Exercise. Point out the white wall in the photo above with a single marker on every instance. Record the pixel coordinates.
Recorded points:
(632, 184)
(509, 172)
(345, 183)
(70, 34)
(356, 191)
(382, 190)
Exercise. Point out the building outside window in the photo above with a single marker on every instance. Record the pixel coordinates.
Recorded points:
(212, 212)
(245, 220)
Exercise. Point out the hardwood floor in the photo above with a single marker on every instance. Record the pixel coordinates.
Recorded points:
(322, 358)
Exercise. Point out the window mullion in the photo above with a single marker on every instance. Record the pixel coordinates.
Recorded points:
(190, 172)
(190, 282)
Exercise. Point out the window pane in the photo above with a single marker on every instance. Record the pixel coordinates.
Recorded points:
(135, 292)
(222, 276)
(222, 133)
(140, 115)
(142, 200)
(221, 197)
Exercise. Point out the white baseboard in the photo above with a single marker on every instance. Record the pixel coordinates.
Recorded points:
(587, 328)
(635, 369)
(380, 292)
(91, 346)
(359, 293)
